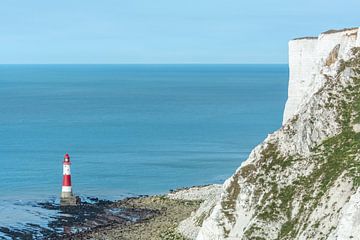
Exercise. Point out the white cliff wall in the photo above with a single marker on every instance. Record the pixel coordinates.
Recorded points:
(254, 201)
(302, 72)
(306, 57)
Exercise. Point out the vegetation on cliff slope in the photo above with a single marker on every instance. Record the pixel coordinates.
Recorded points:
(335, 158)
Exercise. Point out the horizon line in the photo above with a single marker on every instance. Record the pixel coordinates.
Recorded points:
(144, 63)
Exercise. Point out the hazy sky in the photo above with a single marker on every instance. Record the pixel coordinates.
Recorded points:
(163, 31)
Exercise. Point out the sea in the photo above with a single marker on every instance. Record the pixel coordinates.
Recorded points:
(129, 129)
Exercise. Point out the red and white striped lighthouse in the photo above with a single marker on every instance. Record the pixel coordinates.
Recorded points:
(67, 197)
(66, 186)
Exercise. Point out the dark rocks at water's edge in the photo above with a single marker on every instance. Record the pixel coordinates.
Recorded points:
(74, 221)
(88, 217)
(148, 217)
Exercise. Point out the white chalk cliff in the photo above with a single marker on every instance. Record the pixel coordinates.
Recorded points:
(303, 181)
(309, 60)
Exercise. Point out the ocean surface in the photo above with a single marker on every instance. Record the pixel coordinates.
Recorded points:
(129, 129)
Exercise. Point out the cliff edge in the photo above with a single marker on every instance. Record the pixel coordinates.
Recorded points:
(310, 59)
(303, 181)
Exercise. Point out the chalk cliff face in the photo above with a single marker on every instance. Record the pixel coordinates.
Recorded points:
(308, 57)
(303, 181)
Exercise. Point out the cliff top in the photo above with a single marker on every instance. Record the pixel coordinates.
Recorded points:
(340, 30)
(305, 38)
(327, 32)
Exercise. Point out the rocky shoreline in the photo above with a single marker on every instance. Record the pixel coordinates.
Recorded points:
(142, 217)
(165, 215)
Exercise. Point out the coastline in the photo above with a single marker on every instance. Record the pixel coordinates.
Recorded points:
(173, 210)
(122, 162)
(141, 217)
(162, 225)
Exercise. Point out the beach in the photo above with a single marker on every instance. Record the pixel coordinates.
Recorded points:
(143, 217)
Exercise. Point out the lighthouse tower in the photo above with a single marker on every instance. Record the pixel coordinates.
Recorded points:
(67, 197)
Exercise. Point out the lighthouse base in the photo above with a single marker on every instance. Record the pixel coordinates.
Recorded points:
(67, 199)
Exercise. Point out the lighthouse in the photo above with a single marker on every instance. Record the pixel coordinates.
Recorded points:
(67, 197)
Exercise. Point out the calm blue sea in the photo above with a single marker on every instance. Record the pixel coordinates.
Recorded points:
(129, 129)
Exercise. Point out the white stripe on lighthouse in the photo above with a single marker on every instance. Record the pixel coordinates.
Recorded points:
(66, 170)
(66, 188)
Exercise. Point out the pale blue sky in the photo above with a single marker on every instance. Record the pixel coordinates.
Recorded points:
(163, 31)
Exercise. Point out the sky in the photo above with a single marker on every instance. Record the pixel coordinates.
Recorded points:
(163, 31)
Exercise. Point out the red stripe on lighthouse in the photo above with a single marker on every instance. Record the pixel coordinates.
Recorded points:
(67, 180)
